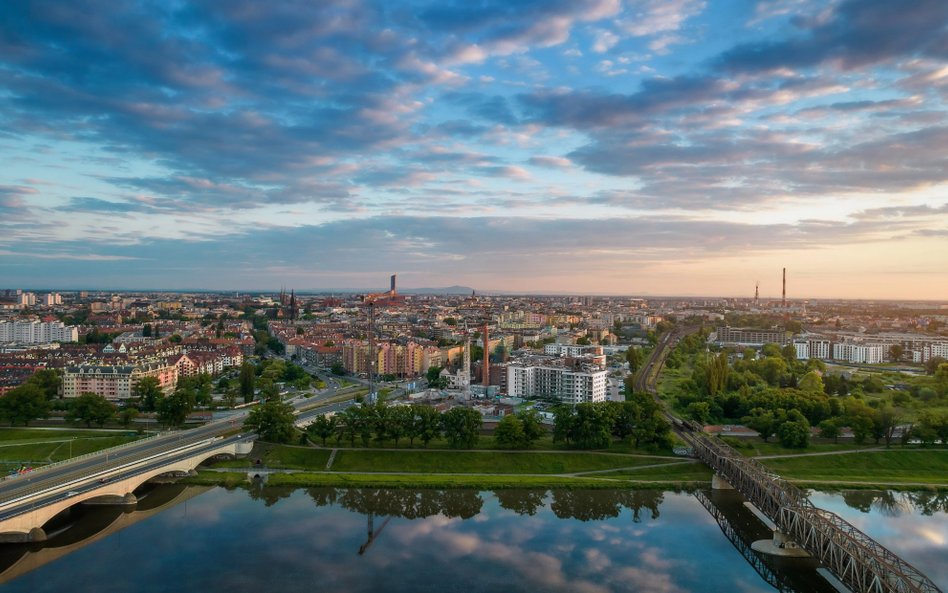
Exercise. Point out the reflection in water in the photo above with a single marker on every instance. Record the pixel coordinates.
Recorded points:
(893, 504)
(410, 541)
(84, 524)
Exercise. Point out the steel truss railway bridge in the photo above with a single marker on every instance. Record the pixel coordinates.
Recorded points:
(858, 561)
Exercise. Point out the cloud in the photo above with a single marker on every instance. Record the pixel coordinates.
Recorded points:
(858, 33)
(551, 162)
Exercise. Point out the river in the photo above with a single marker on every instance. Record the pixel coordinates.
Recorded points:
(265, 539)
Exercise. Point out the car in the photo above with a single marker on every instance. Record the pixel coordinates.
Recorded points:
(72, 493)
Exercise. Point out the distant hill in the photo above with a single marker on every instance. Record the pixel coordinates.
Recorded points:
(446, 290)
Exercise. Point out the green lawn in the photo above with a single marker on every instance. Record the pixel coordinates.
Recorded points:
(39, 434)
(501, 462)
(876, 467)
(752, 447)
(46, 446)
(669, 381)
(281, 457)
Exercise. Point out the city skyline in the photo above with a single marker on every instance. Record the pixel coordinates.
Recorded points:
(592, 147)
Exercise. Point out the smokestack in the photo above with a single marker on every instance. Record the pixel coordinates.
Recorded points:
(784, 299)
(393, 283)
(485, 378)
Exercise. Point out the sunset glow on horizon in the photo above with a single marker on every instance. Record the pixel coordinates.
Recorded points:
(641, 147)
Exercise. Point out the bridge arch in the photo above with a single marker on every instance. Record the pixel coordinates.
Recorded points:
(28, 526)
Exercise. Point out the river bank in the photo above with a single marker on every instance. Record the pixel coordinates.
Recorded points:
(902, 469)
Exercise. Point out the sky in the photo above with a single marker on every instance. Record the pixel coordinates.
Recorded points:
(641, 147)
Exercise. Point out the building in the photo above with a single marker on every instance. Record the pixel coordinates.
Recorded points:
(116, 382)
(859, 353)
(737, 336)
(568, 385)
(37, 332)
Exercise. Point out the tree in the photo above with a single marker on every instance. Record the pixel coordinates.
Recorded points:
(148, 391)
(699, 411)
(337, 369)
(715, 374)
(762, 421)
(563, 419)
(23, 404)
(400, 421)
(348, 426)
(461, 427)
(127, 416)
(830, 429)
(634, 357)
(323, 427)
(273, 421)
(933, 363)
(896, 351)
(509, 432)
(795, 431)
(48, 380)
(426, 424)
(89, 408)
(811, 382)
(884, 422)
(592, 428)
(174, 409)
(434, 378)
(532, 427)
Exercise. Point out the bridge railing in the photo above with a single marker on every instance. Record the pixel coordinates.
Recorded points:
(107, 451)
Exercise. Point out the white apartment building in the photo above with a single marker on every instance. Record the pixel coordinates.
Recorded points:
(859, 353)
(570, 350)
(37, 332)
(569, 386)
(803, 349)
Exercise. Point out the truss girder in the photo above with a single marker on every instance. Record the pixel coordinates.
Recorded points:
(860, 562)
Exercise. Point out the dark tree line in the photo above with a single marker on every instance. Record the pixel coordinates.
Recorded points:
(597, 425)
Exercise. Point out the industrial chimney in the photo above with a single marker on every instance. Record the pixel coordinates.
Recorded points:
(784, 299)
(485, 378)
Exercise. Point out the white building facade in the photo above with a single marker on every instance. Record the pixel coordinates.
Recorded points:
(37, 332)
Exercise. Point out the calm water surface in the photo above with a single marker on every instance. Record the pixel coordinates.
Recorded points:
(285, 540)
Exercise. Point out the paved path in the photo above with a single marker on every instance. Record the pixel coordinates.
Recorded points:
(820, 453)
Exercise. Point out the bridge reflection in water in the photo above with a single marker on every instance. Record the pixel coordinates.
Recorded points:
(742, 528)
(85, 524)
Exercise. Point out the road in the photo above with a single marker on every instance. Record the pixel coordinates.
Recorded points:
(55, 476)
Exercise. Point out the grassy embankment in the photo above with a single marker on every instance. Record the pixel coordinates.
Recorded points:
(439, 468)
(905, 468)
(35, 447)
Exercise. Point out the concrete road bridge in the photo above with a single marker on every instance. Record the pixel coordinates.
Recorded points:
(29, 501)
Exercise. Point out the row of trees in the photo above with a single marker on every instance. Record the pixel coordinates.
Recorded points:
(378, 422)
(596, 425)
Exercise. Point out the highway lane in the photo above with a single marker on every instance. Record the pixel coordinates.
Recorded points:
(183, 452)
(52, 477)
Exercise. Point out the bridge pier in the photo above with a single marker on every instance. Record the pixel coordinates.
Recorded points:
(719, 483)
(781, 545)
(35, 534)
